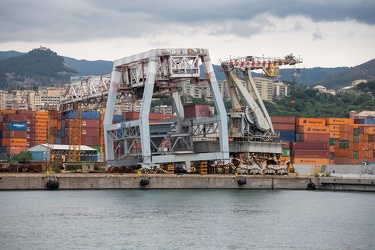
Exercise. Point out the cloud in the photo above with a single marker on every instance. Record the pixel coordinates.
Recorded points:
(85, 20)
(317, 35)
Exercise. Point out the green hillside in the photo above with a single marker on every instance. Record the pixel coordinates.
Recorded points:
(36, 68)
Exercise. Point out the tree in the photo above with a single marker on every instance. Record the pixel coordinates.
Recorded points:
(23, 157)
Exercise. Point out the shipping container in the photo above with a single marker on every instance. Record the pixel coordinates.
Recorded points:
(84, 123)
(312, 129)
(288, 135)
(284, 126)
(14, 134)
(22, 126)
(332, 141)
(117, 118)
(196, 110)
(8, 111)
(310, 121)
(311, 154)
(336, 121)
(90, 132)
(14, 118)
(334, 135)
(87, 115)
(365, 121)
(15, 150)
(90, 140)
(282, 119)
(310, 146)
(27, 113)
(312, 137)
(310, 160)
(285, 152)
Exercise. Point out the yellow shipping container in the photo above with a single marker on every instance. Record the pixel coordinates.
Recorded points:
(310, 121)
(336, 121)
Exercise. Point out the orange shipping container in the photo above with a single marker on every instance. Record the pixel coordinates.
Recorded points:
(311, 160)
(334, 128)
(8, 111)
(312, 129)
(334, 134)
(15, 150)
(332, 121)
(310, 121)
(59, 125)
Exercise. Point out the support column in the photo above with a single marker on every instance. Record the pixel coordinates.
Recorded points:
(109, 112)
(219, 104)
(145, 110)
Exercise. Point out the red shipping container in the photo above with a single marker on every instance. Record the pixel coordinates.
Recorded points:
(84, 123)
(14, 134)
(90, 132)
(31, 121)
(30, 129)
(284, 126)
(30, 136)
(311, 153)
(313, 137)
(196, 110)
(14, 118)
(90, 140)
(310, 146)
(30, 143)
(27, 113)
(282, 119)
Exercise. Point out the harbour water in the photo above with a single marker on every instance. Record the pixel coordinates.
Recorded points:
(187, 219)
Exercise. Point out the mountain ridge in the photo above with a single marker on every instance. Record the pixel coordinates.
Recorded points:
(331, 78)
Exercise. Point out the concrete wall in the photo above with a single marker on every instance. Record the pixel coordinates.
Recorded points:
(161, 181)
(306, 169)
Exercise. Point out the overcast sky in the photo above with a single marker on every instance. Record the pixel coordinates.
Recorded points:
(325, 33)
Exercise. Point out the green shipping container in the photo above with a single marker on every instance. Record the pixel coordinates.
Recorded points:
(355, 154)
(355, 138)
(332, 141)
(344, 144)
(356, 130)
(286, 152)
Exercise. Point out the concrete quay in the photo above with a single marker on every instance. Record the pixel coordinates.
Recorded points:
(92, 181)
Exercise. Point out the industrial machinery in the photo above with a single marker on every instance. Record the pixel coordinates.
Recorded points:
(159, 73)
(252, 137)
(241, 141)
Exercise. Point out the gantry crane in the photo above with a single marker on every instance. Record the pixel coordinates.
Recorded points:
(158, 73)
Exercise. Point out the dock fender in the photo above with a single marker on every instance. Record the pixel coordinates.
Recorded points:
(241, 181)
(52, 184)
(311, 186)
(144, 182)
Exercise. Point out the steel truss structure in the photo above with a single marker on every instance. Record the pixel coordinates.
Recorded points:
(159, 73)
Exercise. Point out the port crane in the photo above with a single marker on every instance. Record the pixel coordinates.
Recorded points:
(250, 124)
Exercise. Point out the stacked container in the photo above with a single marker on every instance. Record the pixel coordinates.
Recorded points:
(355, 144)
(285, 126)
(90, 125)
(334, 133)
(312, 141)
(13, 134)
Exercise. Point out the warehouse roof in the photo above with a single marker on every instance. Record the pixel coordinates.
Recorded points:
(42, 147)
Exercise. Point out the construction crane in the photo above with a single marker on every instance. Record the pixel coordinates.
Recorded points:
(249, 119)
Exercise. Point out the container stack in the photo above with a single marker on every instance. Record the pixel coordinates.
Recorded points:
(13, 135)
(312, 141)
(41, 127)
(356, 144)
(90, 125)
(285, 126)
(334, 133)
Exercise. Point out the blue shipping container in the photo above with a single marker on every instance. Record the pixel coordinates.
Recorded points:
(58, 141)
(288, 135)
(367, 121)
(21, 126)
(117, 118)
(3, 150)
(86, 115)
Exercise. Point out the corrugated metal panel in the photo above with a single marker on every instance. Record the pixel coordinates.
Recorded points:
(196, 110)
(310, 160)
(284, 126)
(282, 119)
(16, 126)
(88, 115)
(312, 137)
(310, 146)
(311, 153)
